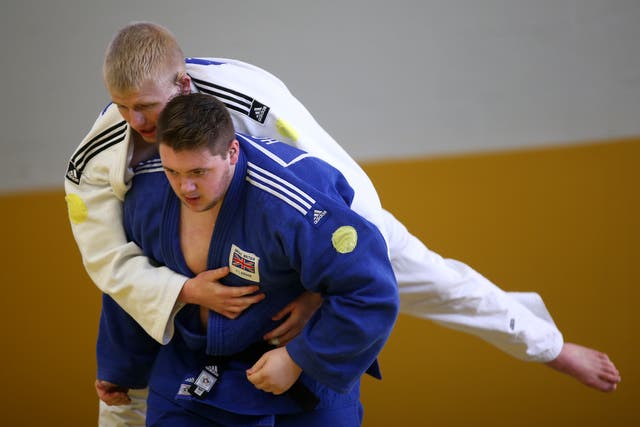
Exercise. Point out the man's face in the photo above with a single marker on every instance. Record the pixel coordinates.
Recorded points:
(141, 108)
(199, 178)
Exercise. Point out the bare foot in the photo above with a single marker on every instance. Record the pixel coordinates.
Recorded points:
(588, 366)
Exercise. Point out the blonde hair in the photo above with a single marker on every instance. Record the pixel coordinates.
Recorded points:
(139, 52)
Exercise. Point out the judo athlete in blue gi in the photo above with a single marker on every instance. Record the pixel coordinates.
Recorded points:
(279, 218)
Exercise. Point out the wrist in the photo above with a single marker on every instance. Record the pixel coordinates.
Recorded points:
(187, 294)
(292, 363)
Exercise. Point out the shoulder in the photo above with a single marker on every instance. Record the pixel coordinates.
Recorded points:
(148, 168)
(304, 186)
(272, 150)
(148, 178)
(313, 173)
(145, 199)
(230, 69)
(97, 149)
(246, 90)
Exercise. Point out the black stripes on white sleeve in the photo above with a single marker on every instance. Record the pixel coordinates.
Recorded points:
(105, 139)
(234, 100)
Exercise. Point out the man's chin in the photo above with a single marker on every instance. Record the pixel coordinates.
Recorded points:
(192, 204)
(149, 139)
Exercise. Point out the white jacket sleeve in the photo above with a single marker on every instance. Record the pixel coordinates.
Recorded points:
(443, 290)
(95, 186)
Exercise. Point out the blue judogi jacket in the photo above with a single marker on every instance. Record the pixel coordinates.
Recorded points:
(285, 224)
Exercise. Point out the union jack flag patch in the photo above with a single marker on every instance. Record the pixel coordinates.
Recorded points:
(244, 264)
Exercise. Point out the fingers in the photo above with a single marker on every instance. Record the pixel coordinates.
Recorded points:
(112, 394)
(280, 336)
(223, 290)
(116, 399)
(286, 310)
(276, 333)
(259, 377)
(243, 292)
(275, 372)
(252, 371)
(233, 307)
(107, 386)
(274, 341)
(287, 330)
(215, 274)
(229, 291)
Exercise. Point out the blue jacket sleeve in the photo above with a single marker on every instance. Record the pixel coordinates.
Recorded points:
(125, 352)
(343, 257)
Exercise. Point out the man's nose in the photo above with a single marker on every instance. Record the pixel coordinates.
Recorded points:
(186, 184)
(136, 118)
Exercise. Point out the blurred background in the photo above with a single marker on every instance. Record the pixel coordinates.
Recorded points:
(504, 134)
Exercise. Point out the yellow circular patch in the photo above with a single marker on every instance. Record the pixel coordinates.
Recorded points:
(286, 130)
(77, 209)
(345, 239)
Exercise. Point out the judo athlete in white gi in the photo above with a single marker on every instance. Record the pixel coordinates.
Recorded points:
(276, 217)
(144, 67)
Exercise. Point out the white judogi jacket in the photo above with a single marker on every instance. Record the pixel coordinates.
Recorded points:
(443, 290)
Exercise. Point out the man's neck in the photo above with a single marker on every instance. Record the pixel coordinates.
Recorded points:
(142, 150)
(196, 231)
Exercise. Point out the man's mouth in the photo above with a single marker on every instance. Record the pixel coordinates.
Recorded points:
(147, 132)
(191, 199)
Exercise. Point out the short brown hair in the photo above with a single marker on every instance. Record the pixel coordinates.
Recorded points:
(194, 121)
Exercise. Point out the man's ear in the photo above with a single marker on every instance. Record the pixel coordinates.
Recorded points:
(234, 151)
(184, 81)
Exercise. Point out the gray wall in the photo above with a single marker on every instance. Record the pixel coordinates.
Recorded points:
(387, 79)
